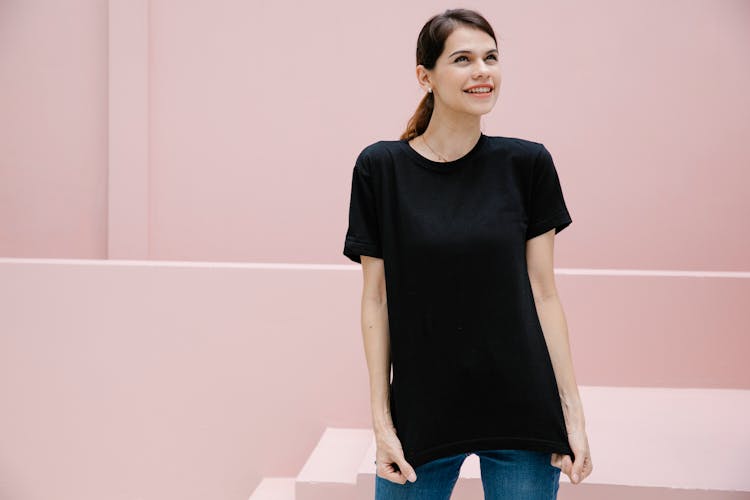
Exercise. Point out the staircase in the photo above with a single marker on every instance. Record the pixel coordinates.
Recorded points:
(698, 440)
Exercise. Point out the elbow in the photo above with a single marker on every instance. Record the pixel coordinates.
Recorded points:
(376, 297)
(543, 293)
(545, 298)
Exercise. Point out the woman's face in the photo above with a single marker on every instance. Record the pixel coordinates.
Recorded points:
(469, 58)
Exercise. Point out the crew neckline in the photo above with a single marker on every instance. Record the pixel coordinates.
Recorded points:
(444, 166)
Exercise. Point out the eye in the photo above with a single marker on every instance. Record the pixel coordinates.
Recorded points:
(464, 57)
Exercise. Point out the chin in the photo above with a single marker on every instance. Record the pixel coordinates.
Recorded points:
(481, 111)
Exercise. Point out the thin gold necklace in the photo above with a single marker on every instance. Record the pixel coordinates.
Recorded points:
(436, 154)
(442, 158)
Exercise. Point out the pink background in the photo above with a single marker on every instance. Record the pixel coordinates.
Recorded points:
(174, 149)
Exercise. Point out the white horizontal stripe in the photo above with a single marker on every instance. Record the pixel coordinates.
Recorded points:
(581, 271)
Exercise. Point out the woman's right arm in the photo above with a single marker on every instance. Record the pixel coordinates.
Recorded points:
(376, 337)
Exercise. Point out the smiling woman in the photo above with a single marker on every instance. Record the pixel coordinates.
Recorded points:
(454, 230)
(457, 57)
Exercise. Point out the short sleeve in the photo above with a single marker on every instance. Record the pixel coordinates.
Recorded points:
(362, 235)
(546, 209)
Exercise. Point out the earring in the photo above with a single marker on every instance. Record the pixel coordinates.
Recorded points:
(429, 89)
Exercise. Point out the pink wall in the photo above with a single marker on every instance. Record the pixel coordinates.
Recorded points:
(226, 131)
(53, 128)
(134, 381)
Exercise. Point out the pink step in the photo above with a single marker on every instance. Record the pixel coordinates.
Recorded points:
(274, 488)
(335, 465)
(647, 443)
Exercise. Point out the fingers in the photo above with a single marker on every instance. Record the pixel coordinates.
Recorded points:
(407, 470)
(587, 467)
(390, 473)
(398, 472)
(567, 465)
(556, 460)
(577, 469)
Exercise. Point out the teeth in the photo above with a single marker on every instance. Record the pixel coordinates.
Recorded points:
(480, 90)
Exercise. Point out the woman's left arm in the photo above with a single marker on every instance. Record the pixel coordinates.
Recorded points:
(539, 260)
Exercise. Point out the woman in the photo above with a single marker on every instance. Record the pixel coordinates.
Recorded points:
(455, 233)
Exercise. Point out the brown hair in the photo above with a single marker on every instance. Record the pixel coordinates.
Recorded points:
(430, 45)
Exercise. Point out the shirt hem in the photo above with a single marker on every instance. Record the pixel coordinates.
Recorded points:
(473, 445)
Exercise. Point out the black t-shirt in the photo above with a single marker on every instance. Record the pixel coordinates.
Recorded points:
(471, 368)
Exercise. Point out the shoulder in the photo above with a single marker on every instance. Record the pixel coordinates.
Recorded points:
(516, 145)
(378, 150)
(375, 155)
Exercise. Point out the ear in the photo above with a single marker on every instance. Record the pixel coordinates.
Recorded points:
(423, 77)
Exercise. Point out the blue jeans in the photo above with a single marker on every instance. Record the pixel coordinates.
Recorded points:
(506, 474)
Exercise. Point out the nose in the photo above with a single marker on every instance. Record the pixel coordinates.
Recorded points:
(482, 70)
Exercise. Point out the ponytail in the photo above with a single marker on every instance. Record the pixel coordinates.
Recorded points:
(421, 117)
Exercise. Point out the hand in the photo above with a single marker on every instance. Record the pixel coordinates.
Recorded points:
(583, 465)
(389, 458)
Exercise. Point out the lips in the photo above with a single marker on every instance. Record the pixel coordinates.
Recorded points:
(480, 86)
(480, 94)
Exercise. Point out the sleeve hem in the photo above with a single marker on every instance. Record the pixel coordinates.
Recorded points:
(559, 221)
(353, 249)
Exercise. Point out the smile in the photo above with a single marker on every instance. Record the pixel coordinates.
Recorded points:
(481, 92)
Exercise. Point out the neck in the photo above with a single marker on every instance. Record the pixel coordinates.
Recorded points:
(452, 137)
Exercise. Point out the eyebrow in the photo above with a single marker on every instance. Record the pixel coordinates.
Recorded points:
(464, 50)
